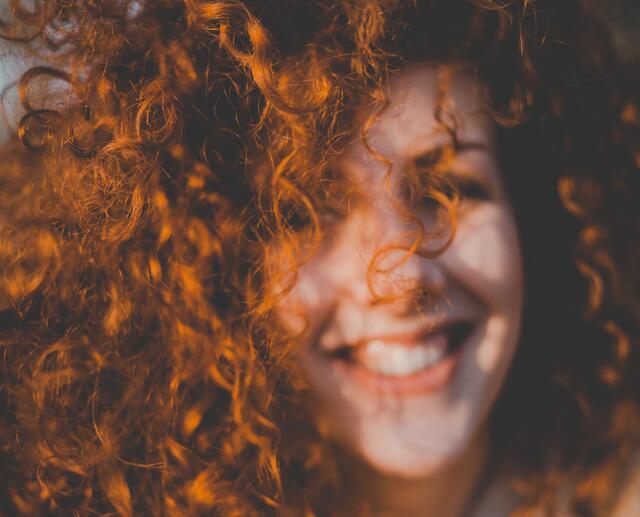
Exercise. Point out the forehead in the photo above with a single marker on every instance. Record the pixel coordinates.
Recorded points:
(425, 104)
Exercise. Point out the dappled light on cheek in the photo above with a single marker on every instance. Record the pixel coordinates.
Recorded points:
(488, 356)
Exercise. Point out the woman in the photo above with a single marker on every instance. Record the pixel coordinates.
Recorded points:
(320, 258)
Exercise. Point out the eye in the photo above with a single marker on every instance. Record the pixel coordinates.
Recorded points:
(299, 219)
(296, 219)
(466, 189)
(470, 189)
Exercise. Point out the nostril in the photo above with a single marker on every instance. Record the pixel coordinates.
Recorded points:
(409, 302)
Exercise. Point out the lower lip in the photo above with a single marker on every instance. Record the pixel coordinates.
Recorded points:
(425, 381)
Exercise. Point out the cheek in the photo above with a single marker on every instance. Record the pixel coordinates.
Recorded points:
(327, 275)
(485, 256)
(310, 292)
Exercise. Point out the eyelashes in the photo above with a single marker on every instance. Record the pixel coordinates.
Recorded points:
(470, 189)
(434, 165)
(464, 190)
(299, 219)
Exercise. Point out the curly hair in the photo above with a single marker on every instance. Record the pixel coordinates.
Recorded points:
(142, 372)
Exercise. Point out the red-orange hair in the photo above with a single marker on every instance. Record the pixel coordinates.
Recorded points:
(142, 372)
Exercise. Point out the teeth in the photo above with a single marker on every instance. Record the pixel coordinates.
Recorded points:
(394, 359)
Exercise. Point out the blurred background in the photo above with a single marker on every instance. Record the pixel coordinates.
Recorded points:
(623, 16)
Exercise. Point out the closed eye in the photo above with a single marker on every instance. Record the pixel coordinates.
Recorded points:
(465, 190)
(470, 189)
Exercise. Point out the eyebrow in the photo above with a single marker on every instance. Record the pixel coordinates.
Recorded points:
(430, 157)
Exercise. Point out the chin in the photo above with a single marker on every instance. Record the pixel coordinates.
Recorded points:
(391, 458)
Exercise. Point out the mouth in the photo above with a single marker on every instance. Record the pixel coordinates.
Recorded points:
(405, 365)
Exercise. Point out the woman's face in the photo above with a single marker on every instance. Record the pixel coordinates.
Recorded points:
(406, 364)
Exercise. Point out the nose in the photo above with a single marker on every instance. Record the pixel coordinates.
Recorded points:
(394, 268)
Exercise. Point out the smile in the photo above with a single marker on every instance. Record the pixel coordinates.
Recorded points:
(404, 365)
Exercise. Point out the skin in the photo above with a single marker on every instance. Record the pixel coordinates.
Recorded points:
(422, 452)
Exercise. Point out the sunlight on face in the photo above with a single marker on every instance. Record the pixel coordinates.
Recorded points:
(408, 384)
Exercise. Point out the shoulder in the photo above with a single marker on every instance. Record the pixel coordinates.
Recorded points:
(629, 501)
(499, 499)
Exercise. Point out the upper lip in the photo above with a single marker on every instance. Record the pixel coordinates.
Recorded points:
(410, 337)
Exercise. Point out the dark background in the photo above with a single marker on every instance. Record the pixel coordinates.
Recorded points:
(624, 19)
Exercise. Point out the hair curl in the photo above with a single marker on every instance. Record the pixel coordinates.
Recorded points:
(142, 371)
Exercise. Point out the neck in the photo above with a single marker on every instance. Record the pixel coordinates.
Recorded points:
(448, 493)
